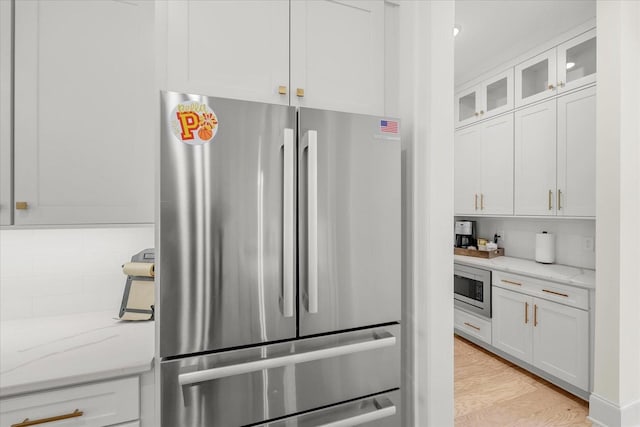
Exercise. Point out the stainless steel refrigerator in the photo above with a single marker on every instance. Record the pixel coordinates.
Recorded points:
(279, 272)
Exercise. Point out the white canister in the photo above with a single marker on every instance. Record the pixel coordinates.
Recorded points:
(545, 247)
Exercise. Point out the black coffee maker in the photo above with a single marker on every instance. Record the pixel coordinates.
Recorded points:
(465, 234)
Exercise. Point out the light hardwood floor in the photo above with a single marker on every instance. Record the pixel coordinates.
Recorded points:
(489, 391)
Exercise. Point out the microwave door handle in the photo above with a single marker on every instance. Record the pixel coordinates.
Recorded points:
(312, 221)
(385, 409)
(288, 231)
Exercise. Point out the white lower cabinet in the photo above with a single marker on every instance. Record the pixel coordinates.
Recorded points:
(550, 336)
(473, 325)
(107, 403)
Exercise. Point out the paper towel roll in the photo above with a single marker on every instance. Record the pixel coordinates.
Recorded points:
(140, 269)
(545, 247)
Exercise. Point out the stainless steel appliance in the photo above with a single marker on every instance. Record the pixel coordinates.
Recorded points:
(465, 233)
(279, 272)
(472, 289)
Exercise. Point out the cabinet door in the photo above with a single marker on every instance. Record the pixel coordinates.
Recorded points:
(511, 323)
(337, 55)
(466, 170)
(577, 62)
(6, 69)
(497, 94)
(535, 159)
(468, 105)
(561, 342)
(577, 153)
(85, 110)
(496, 170)
(230, 49)
(536, 78)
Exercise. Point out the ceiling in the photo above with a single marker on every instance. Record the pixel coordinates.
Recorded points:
(496, 31)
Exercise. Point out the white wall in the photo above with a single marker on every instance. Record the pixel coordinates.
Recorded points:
(49, 272)
(615, 400)
(519, 238)
(426, 111)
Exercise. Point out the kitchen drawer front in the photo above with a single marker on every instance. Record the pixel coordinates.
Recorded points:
(258, 384)
(564, 294)
(102, 404)
(472, 325)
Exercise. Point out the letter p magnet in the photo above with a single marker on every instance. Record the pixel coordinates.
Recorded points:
(189, 122)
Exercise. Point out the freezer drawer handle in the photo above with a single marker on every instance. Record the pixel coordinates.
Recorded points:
(382, 340)
(388, 410)
(288, 209)
(313, 221)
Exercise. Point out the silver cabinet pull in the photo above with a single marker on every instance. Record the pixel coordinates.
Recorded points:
(559, 199)
(377, 342)
(313, 221)
(288, 209)
(384, 412)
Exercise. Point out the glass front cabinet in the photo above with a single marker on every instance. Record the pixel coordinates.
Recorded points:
(487, 99)
(561, 69)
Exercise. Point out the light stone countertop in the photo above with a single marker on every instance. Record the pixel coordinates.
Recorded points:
(47, 352)
(574, 276)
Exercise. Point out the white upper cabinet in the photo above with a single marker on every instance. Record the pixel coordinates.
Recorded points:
(321, 54)
(231, 49)
(577, 62)
(577, 154)
(483, 174)
(85, 112)
(6, 70)
(535, 159)
(536, 78)
(337, 55)
(490, 98)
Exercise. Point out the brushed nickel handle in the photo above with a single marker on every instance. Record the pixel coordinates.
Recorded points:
(510, 282)
(550, 199)
(555, 293)
(535, 314)
(526, 313)
(22, 205)
(300, 92)
(282, 90)
(481, 201)
(551, 87)
(27, 422)
(559, 199)
(472, 326)
(475, 203)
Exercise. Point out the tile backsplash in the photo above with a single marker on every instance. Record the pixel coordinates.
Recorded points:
(520, 237)
(49, 272)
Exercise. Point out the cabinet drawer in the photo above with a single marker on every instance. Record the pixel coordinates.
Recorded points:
(564, 294)
(472, 325)
(101, 404)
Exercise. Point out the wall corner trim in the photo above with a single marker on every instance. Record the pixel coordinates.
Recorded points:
(604, 413)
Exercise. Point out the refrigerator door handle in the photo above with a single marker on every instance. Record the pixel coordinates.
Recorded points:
(313, 220)
(385, 409)
(288, 231)
(382, 340)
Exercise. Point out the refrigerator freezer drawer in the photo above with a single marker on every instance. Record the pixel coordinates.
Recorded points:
(382, 410)
(258, 384)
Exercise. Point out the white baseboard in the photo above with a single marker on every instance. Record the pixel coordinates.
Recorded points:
(604, 413)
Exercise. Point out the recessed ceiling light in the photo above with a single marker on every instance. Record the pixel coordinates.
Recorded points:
(570, 65)
(456, 30)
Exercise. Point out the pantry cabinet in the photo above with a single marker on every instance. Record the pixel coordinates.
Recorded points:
(543, 324)
(555, 143)
(84, 112)
(483, 175)
(6, 72)
(487, 99)
(563, 68)
(321, 54)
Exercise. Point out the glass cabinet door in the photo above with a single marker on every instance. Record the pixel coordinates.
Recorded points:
(577, 62)
(498, 94)
(467, 106)
(536, 78)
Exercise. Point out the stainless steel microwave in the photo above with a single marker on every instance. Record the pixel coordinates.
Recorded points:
(472, 289)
